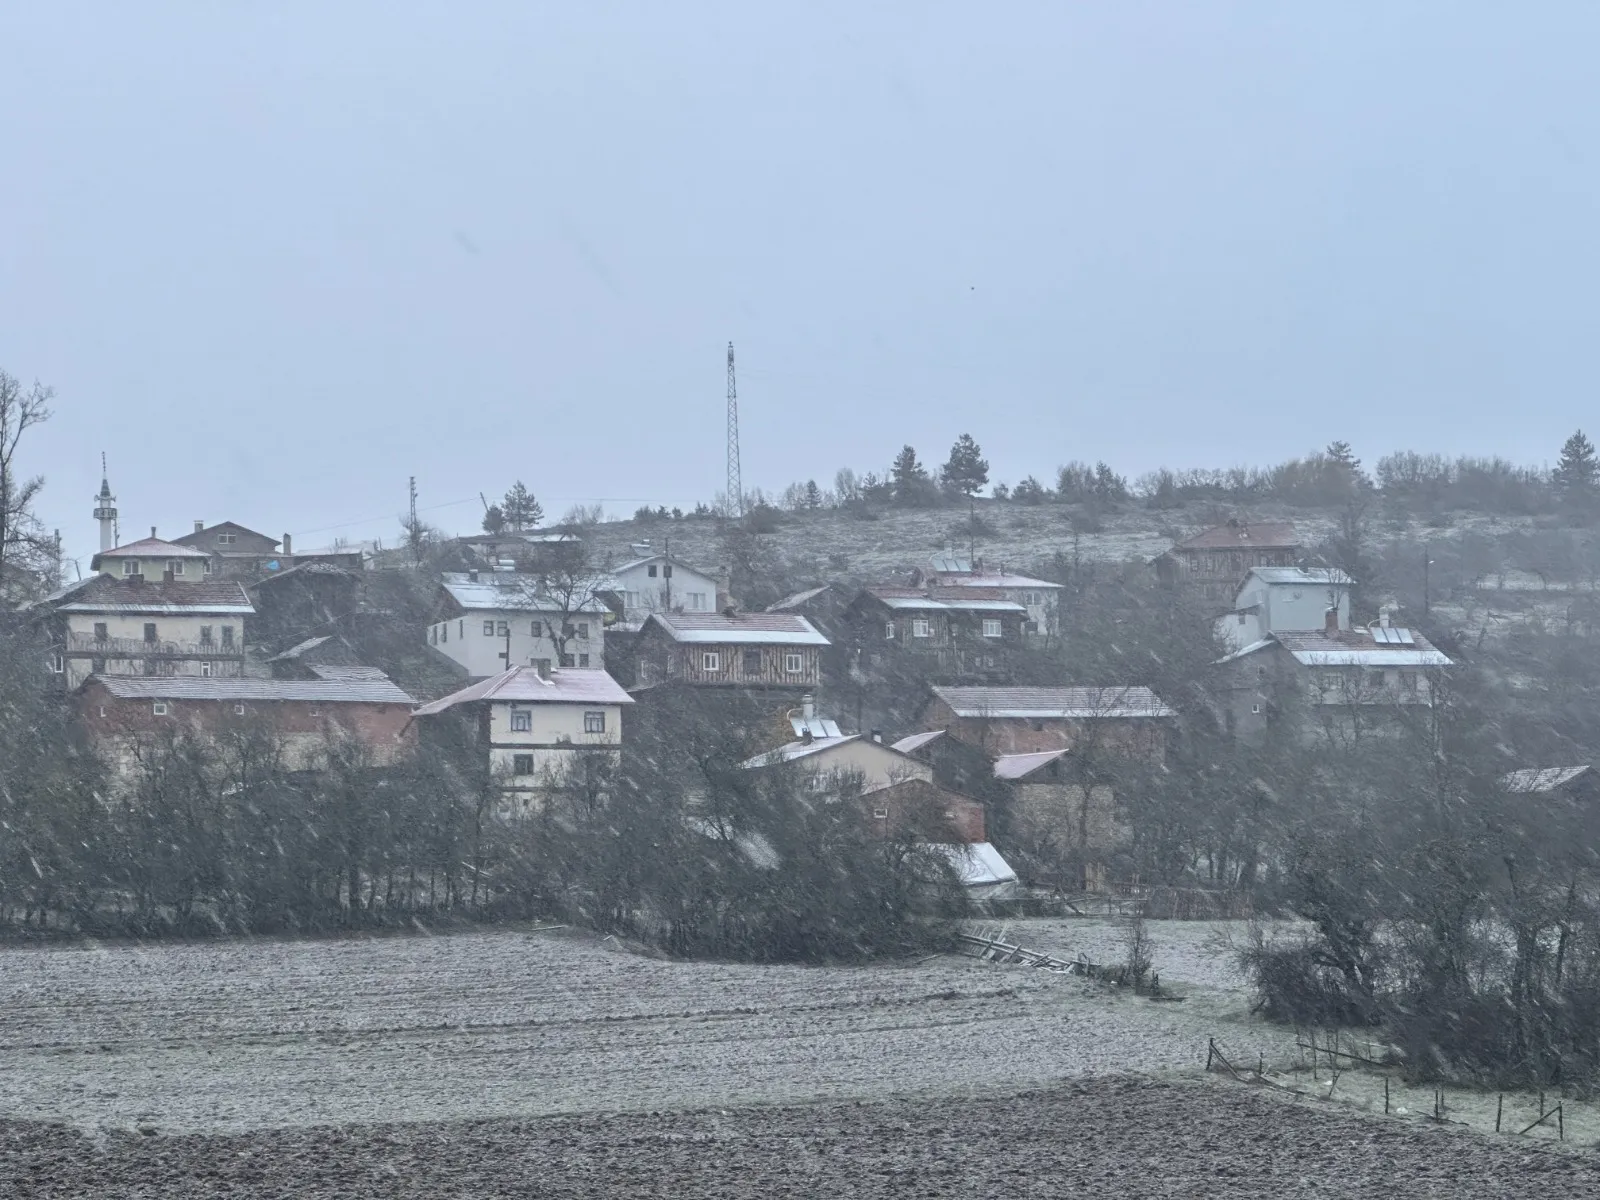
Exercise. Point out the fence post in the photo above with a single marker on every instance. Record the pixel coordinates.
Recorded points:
(1386, 1095)
(1561, 1121)
(1211, 1050)
(1499, 1107)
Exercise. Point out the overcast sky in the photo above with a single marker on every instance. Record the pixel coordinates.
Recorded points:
(275, 258)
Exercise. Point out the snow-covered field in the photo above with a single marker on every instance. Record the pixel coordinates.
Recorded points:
(258, 1034)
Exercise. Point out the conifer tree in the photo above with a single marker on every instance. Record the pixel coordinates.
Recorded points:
(967, 471)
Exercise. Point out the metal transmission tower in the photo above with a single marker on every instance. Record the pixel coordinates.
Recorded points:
(735, 486)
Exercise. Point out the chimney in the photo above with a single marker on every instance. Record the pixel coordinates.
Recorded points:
(808, 706)
(288, 545)
(724, 590)
(199, 525)
(152, 531)
(472, 576)
(1384, 614)
(877, 736)
(805, 736)
(544, 669)
(1330, 620)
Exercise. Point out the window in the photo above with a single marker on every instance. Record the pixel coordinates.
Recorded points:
(175, 565)
(710, 660)
(880, 814)
(522, 764)
(205, 635)
(666, 571)
(1256, 708)
(100, 633)
(159, 708)
(1240, 618)
(697, 601)
(97, 666)
(149, 666)
(888, 630)
(991, 627)
(238, 710)
(207, 670)
(227, 539)
(651, 571)
(461, 629)
(594, 722)
(568, 660)
(521, 721)
(1030, 626)
(1375, 679)
(752, 662)
(533, 629)
(58, 662)
(583, 661)
(583, 631)
(921, 627)
(210, 567)
(793, 664)
(488, 629)
(503, 629)
(433, 635)
(227, 636)
(130, 566)
(444, 633)
(1408, 680)
(149, 631)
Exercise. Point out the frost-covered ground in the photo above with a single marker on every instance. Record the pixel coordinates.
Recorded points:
(247, 1035)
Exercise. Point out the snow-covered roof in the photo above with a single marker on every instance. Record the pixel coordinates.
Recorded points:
(917, 740)
(791, 751)
(1303, 576)
(524, 685)
(1243, 650)
(927, 604)
(978, 863)
(1019, 766)
(785, 629)
(799, 598)
(1075, 703)
(299, 648)
(158, 597)
(507, 591)
(1360, 648)
(660, 558)
(335, 671)
(1274, 535)
(995, 579)
(381, 690)
(151, 548)
(1541, 779)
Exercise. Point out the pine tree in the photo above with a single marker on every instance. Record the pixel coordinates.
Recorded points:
(909, 478)
(1108, 485)
(812, 499)
(1577, 473)
(520, 509)
(494, 520)
(1343, 469)
(967, 470)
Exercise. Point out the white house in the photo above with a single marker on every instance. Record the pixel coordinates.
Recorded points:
(1040, 597)
(659, 583)
(490, 620)
(1286, 600)
(538, 731)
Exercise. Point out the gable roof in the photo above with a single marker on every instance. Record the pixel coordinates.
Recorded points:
(193, 687)
(777, 629)
(917, 741)
(189, 539)
(105, 594)
(1271, 535)
(799, 598)
(1541, 779)
(791, 751)
(1020, 766)
(149, 547)
(1070, 703)
(507, 591)
(524, 685)
(1359, 648)
(299, 648)
(1302, 576)
(993, 579)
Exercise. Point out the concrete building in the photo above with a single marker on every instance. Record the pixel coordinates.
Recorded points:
(653, 583)
(534, 733)
(1286, 600)
(489, 621)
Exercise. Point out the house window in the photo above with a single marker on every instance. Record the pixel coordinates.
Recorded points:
(444, 633)
(461, 629)
(793, 664)
(521, 722)
(568, 660)
(991, 627)
(752, 662)
(100, 633)
(227, 636)
(209, 568)
(175, 565)
(583, 631)
(159, 708)
(594, 722)
(880, 814)
(1240, 618)
(697, 601)
(921, 627)
(488, 629)
(888, 630)
(227, 539)
(207, 670)
(710, 660)
(503, 629)
(130, 566)
(238, 710)
(1030, 626)
(1408, 681)
(583, 661)
(1256, 708)
(1375, 679)
(97, 666)
(58, 662)
(522, 764)
(651, 571)
(149, 631)
(666, 571)
(205, 635)
(149, 666)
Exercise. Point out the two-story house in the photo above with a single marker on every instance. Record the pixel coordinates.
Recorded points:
(1211, 564)
(1130, 722)
(763, 651)
(1040, 597)
(536, 733)
(489, 621)
(149, 611)
(1285, 600)
(652, 583)
(1329, 682)
(954, 633)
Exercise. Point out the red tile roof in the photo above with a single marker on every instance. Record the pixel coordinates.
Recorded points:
(105, 593)
(1273, 535)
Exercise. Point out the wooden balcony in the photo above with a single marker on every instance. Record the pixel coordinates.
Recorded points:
(87, 645)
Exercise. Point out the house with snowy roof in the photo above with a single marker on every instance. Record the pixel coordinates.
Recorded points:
(489, 621)
(1285, 600)
(729, 649)
(955, 633)
(1039, 597)
(1121, 721)
(650, 582)
(534, 731)
(1211, 564)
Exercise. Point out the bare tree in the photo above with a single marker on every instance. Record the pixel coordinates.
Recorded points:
(22, 541)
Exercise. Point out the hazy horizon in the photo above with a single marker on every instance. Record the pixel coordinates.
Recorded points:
(276, 261)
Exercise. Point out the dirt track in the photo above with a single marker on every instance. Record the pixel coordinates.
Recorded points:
(1106, 1137)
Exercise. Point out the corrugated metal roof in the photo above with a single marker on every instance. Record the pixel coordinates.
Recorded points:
(799, 598)
(1074, 703)
(1272, 535)
(917, 740)
(1016, 766)
(786, 629)
(189, 687)
(996, 579)
(332, 671)
(790, 751)
(152, 548)
(1541, 779)
(978, 863)
(299, 648)
(154, 596)
(524, 685)
(506, 591)
(1302, 576)
(1357, 648)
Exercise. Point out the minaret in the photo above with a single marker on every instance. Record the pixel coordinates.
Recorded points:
(105, 509)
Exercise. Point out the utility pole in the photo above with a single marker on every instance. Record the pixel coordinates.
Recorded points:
(666, 573)
(412, 533)
(1427, 562)
(735, 485)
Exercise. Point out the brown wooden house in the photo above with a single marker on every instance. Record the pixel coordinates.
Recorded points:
(1212, 564)
(953, 633)
(742, 650)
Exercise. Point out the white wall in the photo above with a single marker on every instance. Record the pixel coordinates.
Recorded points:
(557, 734)
(463, 640)
(644, 594)
(1281, 607)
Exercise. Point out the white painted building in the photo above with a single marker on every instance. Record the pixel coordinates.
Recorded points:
(491, 620)
(1286, 600)
(536, 730)
(1040, 597)
(659, 583)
